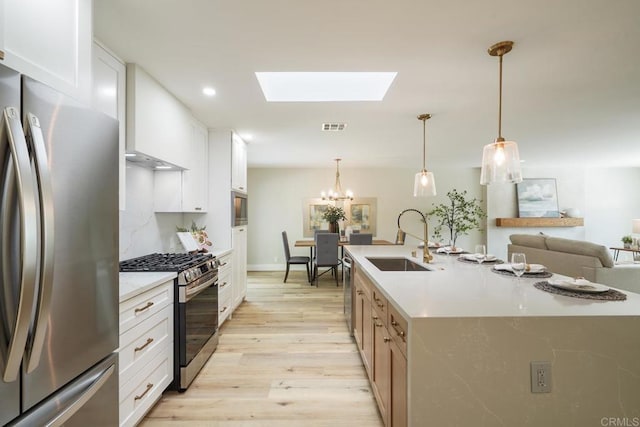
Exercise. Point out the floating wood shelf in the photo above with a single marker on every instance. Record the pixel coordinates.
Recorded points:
(539, 222)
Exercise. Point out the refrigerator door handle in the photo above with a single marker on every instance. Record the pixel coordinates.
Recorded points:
(37, 147)
(28, 240)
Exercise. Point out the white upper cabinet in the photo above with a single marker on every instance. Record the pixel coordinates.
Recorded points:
(109, 96)
(195, 179)
(158, 124)
(187, 190)
(50, 41)
(239, 164)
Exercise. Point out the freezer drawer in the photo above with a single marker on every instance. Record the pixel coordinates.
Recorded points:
(89, 400)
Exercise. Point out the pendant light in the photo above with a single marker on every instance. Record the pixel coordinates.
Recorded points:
(336, 192)
(424, 184)
(500, 159)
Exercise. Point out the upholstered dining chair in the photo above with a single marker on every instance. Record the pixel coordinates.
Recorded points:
(361, 239)
(326, 255)
(294, 259)
(400, 237)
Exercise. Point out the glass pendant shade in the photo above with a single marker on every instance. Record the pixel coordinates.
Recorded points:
(500, 159)
(424, 184)
(500, 163)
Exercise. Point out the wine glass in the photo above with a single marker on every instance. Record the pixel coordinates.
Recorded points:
(518, 264)
(480, 253)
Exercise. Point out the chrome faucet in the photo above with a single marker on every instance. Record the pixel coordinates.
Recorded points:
(426, 255)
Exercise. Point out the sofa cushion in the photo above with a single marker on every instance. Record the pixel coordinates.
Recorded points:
(530, 240)
(581, 247)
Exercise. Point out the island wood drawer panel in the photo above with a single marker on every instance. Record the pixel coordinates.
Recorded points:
(398, 328)
(363, 284)
(379, 303)
(141, 307)
(225, 299)
(140, 344)
(145, 388)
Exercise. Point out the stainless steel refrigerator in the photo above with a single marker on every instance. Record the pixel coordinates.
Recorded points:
(58, 258)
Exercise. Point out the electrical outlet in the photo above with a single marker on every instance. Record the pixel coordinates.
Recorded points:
(540, 377)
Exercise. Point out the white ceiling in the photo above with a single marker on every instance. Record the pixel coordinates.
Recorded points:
(571, 83)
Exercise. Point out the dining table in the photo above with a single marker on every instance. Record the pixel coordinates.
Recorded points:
(310, 243)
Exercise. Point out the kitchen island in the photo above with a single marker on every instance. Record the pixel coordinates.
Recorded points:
(460, 341)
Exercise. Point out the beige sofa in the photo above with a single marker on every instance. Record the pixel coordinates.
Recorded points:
(577, 258)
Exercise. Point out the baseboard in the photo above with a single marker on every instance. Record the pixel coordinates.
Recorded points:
(272, 267)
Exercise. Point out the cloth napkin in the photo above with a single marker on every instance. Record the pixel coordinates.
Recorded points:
(532, 268)
(445, 249)
(472, 257)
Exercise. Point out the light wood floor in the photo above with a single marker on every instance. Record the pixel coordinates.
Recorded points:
(285, 359)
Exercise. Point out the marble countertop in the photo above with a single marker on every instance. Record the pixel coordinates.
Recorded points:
(220, 252)
(456, 289)
(132, 284)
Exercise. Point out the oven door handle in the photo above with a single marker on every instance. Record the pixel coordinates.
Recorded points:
(194, 291)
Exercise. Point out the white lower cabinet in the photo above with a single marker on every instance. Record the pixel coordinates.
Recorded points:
(239, 257)
(145, 355)
(225, 286)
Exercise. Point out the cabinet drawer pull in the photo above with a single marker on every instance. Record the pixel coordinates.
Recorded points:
(379, 303)
(149, 387)
(198, 209)
(386, 339)
(149, 341)
(399, 331)
(378, 325)
(223, 285)
(149, 305)
(223, 264)
(224, 309)
(359, 292)
(375, 317)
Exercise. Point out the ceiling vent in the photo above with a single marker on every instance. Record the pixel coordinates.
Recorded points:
(333, 127)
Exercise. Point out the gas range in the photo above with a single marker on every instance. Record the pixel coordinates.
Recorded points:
(195, 334)
(190, 267)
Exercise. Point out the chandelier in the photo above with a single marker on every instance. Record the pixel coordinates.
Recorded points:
(500, 159)
(336, 192)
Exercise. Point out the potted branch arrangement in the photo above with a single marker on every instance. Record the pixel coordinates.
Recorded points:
(459, 216)
(332, 215)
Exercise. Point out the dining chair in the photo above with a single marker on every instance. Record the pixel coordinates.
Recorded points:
(326, 255)
(361, 239)
(294, 259)
(400, 237)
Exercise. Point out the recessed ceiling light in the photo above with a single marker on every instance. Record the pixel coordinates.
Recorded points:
(324, 87)
(209, 91)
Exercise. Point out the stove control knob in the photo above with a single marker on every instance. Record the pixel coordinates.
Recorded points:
(187, 276)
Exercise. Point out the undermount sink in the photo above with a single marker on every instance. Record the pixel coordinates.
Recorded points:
(396, 264)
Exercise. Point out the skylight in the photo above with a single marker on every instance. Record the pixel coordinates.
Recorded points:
(324, 87)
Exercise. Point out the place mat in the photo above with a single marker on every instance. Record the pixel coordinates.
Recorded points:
(470, 261)
(610, 295)
(541, 275)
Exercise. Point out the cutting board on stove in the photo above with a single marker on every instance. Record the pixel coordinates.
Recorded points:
(188, 242)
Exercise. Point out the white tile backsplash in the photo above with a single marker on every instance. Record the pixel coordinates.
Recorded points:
(142, 231)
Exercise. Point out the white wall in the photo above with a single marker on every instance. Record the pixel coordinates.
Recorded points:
(276, 199)
(612, 202)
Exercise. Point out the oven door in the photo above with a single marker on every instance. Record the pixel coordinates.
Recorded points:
(198, 317)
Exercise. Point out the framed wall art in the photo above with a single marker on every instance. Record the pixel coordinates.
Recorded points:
(360, 213)
(537, 198)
